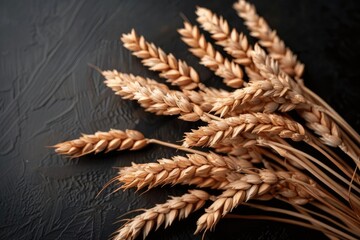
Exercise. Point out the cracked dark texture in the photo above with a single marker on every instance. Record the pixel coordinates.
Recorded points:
(49, 94)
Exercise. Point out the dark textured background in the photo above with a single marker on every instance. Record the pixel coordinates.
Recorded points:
(49, 94)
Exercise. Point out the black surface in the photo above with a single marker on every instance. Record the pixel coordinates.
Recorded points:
(48, 94)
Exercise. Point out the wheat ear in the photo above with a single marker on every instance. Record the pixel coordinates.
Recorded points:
(176, 72)
(327, 129)
(269, 39)
(203, 171)
(248, 187)
(290, 187)
(263, 95)
(234, 43)
(228, 70)
(269, 69)
(162, 214)
(257, 123)
(155, 99)
(102, 141)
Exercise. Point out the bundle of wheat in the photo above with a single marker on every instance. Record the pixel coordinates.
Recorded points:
(250, 127)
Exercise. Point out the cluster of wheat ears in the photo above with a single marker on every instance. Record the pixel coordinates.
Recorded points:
(249, 134)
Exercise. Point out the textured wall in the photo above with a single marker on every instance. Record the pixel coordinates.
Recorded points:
(49, 94)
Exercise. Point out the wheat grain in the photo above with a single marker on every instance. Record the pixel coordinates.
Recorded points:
(162, 214)
(268, 38)
(102, 141)
(222, 67)
(258, 123)
(175, 71)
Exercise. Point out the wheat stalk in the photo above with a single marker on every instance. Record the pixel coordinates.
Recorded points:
(175, 71)
(102, 141)
(162, 214)
(222, 67)
(268, 38)
(258, 123)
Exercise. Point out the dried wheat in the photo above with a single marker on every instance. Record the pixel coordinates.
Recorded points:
(234, 43)
(269, 39)
(228, 70)
(289, 188)
(327, 129)
(162, 214)
(156, 99)
(102, 141)
(248, 187)
(175, 71)
(265, 96)
(258, 123)
(203, 171)
(269, 69)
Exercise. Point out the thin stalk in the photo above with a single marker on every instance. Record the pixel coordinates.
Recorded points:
(311, 158)
(333, 114)
(308, 211)
(178, 147)
(298, 215)
(283, 220)
(277, 159)
(330, 158)
(330, 151)
(326, 199)
(311, 168)
(344, 216)
(304, 212)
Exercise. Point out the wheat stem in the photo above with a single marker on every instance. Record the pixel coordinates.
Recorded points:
(283, 220)
(301, 216)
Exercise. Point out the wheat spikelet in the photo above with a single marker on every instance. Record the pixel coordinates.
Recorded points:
(155, 99)
(257, 123)
(228, 70)
(175, 71)
(203, 171)
(247, 187)
(162, 214)
(102, 141)
(268, 38)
